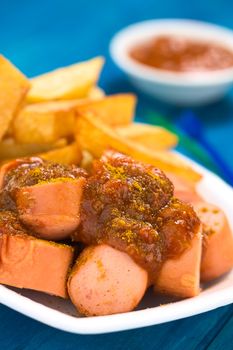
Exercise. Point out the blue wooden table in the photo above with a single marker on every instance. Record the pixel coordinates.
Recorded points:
(41, 35)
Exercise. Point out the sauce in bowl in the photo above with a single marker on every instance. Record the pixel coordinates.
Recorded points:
(179, 54)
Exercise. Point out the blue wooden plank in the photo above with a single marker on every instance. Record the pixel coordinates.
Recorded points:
(20, 332)
(224, 339)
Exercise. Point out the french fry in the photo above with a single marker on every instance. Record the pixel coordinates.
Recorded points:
(114, 110)
(45, 122)
(9, 149)
(70, 82)
(95, 137)
(151, 137)
(13, 88)
(95, 93)
(71, 154)
(87, 160)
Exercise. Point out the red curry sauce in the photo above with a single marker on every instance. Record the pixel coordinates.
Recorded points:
(179, 54)
(130, 206)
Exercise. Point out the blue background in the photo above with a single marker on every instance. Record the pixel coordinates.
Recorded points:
(41, 35)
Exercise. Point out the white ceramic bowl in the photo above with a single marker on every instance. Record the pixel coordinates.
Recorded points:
(185, 88)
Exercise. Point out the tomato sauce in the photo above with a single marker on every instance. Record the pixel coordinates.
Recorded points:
(179, 54)
(130, 206)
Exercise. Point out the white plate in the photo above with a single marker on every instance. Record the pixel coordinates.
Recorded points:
(61, 314)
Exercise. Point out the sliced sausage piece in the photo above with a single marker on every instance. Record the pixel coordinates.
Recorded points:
(28, 262)
(217, 257)
(105, 281)
(14, 164)
(181, 276)
(183, 189)
(181, 232)
(51, 209)
(4, 169)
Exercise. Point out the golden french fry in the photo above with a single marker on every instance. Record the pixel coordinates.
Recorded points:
(95, 137)
(9, 149)
(74, 81)
(95, 93)
(87, 160)
(44, 122)
(114, 110)
(71, 154)
(13, 88)
(149, 136)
